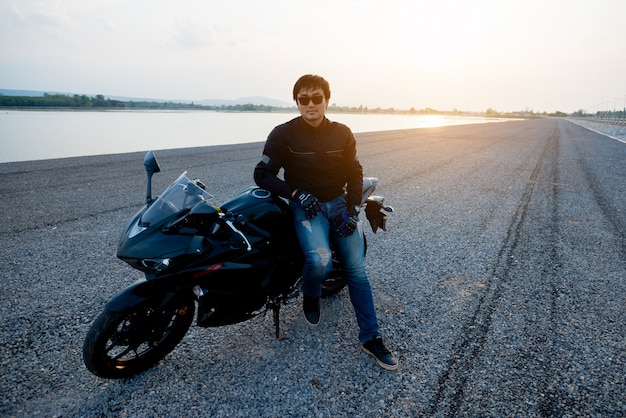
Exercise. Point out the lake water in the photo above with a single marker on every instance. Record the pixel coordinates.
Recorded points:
(37, 135)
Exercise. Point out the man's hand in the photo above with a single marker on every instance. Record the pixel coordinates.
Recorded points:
(309, 203)
(346, 223)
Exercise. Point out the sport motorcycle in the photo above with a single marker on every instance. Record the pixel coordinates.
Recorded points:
(233, 261)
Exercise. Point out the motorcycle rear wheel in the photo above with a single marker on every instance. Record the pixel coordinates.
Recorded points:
(333, 284)
(120, 345)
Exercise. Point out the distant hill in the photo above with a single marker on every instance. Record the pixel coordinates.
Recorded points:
(255, 100)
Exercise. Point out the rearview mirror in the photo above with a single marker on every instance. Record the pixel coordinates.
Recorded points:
(152, 166)
(151, 163)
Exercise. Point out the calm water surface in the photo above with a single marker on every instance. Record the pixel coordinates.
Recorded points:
(37, 135)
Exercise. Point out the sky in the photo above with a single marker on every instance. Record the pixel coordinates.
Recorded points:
(540, 55)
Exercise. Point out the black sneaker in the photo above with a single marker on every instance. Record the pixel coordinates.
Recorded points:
(311, 308)
(376, 348)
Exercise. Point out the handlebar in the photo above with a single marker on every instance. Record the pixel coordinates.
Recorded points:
(232, 226)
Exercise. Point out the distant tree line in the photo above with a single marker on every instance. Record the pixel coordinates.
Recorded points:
(412, 111)
(60, 100)
(607, 115)
(100, 102)
(526, 114)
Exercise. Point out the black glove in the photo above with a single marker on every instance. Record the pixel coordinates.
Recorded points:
(346, 223)
(309, 203)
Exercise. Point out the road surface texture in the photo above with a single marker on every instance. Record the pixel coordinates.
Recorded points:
(501, 285)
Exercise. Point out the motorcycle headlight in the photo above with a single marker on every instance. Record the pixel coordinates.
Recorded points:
(156, 264)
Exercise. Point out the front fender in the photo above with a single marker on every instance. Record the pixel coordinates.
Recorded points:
(136, 294)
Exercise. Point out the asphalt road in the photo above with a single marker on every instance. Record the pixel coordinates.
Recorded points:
(500, 285)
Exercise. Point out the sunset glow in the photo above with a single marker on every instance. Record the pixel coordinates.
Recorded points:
(453, 54)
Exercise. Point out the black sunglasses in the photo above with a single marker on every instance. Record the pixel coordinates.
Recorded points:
(305, 100)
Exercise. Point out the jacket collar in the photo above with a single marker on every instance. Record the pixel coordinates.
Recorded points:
(305, 125)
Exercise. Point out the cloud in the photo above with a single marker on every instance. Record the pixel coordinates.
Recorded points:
(404, 53)
(193, 34)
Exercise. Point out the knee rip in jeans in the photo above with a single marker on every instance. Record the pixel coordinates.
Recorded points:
(323, 254)
(307, 225)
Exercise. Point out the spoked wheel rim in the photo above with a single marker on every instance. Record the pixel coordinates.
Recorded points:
(140, 335)
(333, 283)
(123, 344)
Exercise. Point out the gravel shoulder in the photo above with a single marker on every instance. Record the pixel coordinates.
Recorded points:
(499, 286)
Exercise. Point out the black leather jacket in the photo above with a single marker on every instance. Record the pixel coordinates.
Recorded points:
(322, 161)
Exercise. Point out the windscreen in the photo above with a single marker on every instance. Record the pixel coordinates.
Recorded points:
(180, 196)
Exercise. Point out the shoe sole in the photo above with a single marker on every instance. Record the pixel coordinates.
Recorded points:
(380, 363)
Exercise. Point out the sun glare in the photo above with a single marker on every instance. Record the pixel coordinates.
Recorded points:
(432, 121)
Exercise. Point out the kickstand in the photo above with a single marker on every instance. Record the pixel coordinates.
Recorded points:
(276, 312)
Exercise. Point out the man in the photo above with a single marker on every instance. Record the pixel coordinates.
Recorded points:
(323, 182)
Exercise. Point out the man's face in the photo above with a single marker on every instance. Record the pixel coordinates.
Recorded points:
(312, 113)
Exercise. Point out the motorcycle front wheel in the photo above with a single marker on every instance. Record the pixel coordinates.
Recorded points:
(120, 345)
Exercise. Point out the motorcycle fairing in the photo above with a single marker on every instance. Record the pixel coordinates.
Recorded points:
(136, 294)
(224, 285)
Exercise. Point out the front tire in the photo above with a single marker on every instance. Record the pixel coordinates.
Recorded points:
(120, 345)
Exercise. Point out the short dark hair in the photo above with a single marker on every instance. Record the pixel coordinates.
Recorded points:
(311, 82)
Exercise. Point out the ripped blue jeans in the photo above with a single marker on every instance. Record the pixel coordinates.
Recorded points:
(315, 236)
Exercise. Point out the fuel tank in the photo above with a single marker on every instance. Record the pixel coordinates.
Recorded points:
(262, 209)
